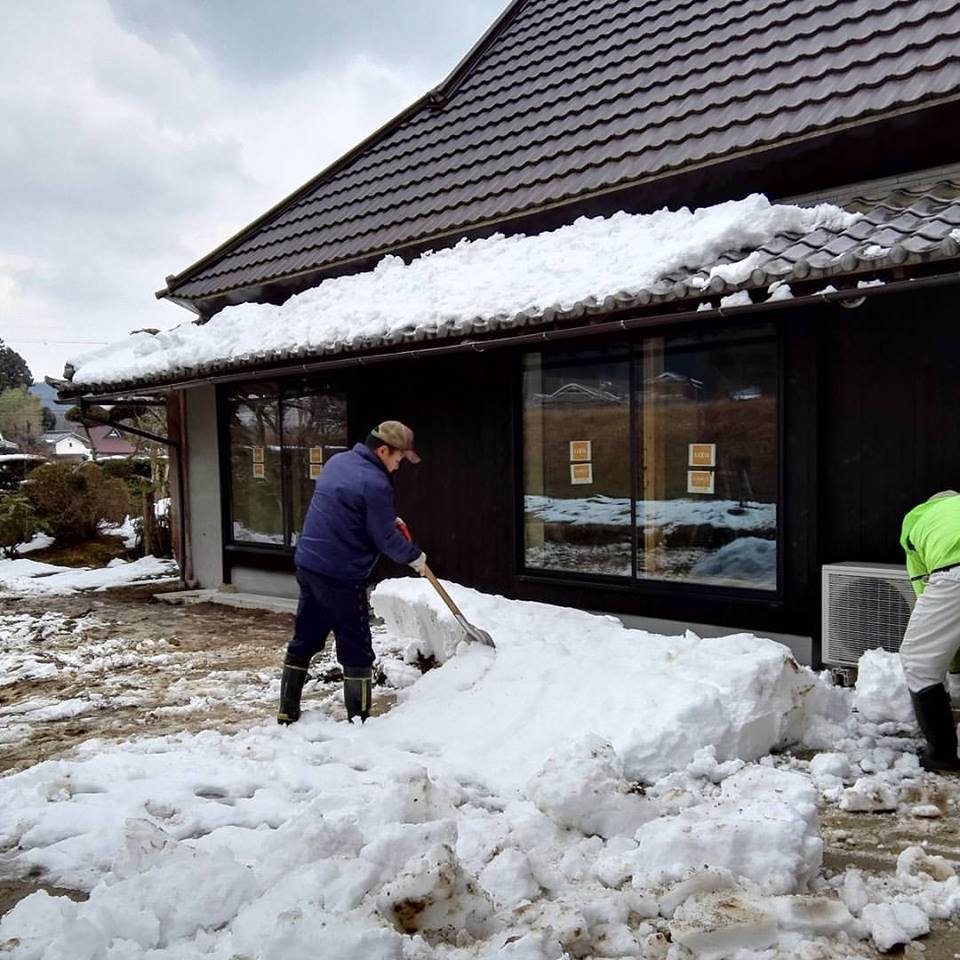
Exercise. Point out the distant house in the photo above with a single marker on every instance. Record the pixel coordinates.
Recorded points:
(104, 441)
(65, 445)
(810, 354)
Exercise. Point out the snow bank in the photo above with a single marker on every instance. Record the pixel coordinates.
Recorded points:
(495, 276)
(656, 699)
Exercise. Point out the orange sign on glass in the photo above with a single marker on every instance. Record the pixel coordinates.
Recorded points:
(700, 481)
(702, 455)
(581, 473)
(580, 450)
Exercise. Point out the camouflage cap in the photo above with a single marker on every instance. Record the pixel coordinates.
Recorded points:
(399, 436)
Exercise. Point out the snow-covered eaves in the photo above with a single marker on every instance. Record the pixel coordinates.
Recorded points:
(733, 253)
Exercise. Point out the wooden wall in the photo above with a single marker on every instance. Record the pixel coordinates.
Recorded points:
(890, 407)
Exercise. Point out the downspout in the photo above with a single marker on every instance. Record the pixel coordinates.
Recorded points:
(183, 487)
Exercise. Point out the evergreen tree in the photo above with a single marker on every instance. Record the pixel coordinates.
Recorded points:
(21, 419)
(14, 371)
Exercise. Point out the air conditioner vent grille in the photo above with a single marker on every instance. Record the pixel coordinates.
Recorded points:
(863, 608)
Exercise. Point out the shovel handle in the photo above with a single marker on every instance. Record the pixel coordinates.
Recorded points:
(444, 596)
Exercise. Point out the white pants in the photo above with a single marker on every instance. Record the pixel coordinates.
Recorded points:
(932, 636)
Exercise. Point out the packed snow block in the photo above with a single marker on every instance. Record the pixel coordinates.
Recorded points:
(583, 788)
(881, 692)
(895, 923)
(869, 795)
(811, 916)
(432, 896)
(718, 925)
(507, 879)
(304, 932)
(762, 827)
(558, 674)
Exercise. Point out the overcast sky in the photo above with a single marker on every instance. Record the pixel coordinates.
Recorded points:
(136, 135)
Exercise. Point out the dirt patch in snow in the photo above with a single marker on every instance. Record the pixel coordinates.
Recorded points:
(119, 664)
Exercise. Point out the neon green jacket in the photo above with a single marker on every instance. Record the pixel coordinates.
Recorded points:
(931, 538)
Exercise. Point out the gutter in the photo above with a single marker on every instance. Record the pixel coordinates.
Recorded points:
(849, 297)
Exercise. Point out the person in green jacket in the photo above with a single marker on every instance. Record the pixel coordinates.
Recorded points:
(931, 540)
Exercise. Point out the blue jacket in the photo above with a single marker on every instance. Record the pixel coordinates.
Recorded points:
(350, 521)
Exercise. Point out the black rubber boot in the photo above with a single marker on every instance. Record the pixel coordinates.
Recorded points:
(357, 689)
(932, 707)
(291, 686)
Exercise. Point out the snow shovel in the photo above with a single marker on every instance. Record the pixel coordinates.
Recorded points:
(474, 634)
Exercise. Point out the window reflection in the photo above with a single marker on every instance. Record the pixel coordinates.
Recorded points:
(576, 411)
(255, 465)
(701, 427)
(707, 442)
(314, 429)
(279, 442)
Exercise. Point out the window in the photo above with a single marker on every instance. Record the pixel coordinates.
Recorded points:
(314, 429)
(576, 421)
(280, 436)
(656, 460)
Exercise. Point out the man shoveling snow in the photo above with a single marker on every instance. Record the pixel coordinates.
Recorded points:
(350, 522)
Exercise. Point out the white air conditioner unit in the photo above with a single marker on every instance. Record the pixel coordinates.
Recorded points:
(864, 606)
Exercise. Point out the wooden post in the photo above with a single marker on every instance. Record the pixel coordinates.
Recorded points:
(653, 465)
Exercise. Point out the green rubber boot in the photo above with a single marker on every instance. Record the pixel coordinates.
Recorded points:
(357, 689)
(291, 687)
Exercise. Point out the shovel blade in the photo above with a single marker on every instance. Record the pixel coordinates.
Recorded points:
(475, 633)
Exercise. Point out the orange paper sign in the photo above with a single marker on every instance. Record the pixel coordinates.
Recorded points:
(580, 450)
(700, 481)
(581, 473)
(702, 455)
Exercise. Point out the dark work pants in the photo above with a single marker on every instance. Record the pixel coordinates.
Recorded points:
(327, 605)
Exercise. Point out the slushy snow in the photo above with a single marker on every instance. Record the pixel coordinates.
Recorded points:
(583, 790)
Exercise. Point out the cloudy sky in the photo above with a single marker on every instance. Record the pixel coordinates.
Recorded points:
(136, 135)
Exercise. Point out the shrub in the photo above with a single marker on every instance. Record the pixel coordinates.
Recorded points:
(18, 522)
(71, 500)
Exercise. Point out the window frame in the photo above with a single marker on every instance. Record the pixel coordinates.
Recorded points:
(633, 584)
(268, 555)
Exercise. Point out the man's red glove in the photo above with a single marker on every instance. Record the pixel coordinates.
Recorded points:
(402, 527)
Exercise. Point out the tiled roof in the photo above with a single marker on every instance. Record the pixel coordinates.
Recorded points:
(905, 224)
(566, 99)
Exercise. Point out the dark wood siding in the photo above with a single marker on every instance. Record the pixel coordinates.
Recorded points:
(459, 501)
(891, 386)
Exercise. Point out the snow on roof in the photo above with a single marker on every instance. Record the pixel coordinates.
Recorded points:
(494, 278)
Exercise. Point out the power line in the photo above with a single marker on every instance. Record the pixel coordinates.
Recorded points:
(51, 340)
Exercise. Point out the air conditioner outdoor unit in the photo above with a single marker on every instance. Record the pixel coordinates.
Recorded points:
(864, 605)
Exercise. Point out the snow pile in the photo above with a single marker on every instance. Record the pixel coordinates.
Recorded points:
(881, 692)
(31, 576)
(481, 279)
(496, 810)
(39, 541)
(657, 699)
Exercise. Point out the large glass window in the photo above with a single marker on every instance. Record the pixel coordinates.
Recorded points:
(255, 465)
(576, 418)
(707, 445)
(673, 478)
(279, 438)
(314, 429)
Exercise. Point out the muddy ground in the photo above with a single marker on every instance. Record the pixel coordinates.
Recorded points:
(146, 667)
